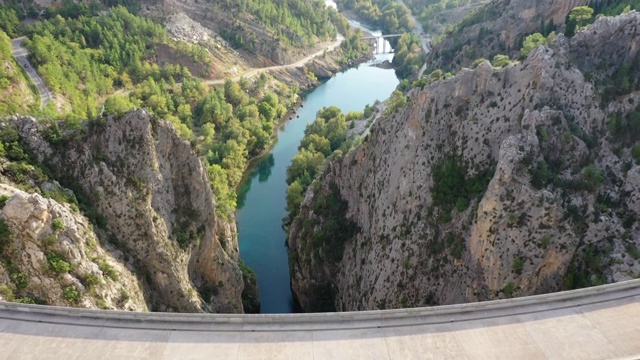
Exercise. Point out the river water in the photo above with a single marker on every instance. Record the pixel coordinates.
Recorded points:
(261, 198)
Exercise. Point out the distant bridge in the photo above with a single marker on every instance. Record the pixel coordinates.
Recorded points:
(379, 43)
(381, 36)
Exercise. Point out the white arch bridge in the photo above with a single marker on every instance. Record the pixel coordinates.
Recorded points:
(595, 323)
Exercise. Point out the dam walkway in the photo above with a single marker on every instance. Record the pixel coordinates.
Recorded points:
(595, 323)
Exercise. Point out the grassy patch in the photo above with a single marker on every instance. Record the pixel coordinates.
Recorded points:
(58, 264)
(57, 225)
(72, 294)
(107, 269)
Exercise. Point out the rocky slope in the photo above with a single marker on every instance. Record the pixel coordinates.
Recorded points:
(222, 16)
(491, 184)
(150, 198)
(498, 28)
(51, 254)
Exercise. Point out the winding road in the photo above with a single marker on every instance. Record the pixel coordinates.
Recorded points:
(296, 64)
(20, 53)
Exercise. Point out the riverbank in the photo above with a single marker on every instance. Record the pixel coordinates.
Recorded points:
(323, 68)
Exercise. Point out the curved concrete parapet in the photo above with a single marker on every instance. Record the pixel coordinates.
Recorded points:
(595, 323)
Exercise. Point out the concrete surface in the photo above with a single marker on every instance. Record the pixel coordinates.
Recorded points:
(20, 53)
(596, 323)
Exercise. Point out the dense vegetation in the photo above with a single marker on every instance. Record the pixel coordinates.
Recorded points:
(408, 55)
(87, 58)
(295, 23)
(353, 47)
(326, 136)
(388, 15)
(9, 22)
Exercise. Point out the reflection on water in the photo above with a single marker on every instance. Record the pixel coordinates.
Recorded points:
(264, 168)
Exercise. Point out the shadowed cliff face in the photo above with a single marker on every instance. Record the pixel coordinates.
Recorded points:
(155, 204)
(492, 184)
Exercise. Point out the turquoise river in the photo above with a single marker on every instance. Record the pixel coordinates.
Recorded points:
(261, 203)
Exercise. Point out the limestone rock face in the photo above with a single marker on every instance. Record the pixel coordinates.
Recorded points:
(506, 22)
(43, 232)
(557, 192)
(155, 204)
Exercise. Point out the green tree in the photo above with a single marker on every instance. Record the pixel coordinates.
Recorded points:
(118, 105)
(436, 75)
(518, 265)
(477, 62)
(530, 43)
(501, 61)
(336, 131)
(592, 177)
(9, 21)
(396, 101)
(234, 94)
(304, 167)
(225, 196)
(318, 143)
(580, 15)
(294, 198)
(570, 26)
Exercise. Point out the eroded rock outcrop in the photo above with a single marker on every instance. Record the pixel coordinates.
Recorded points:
(491, 184)
(153, 202)
(51, 254)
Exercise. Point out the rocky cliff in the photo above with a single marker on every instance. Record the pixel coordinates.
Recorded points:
(51, 255)
(491, 184)
(150, 197)
(498, 28)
